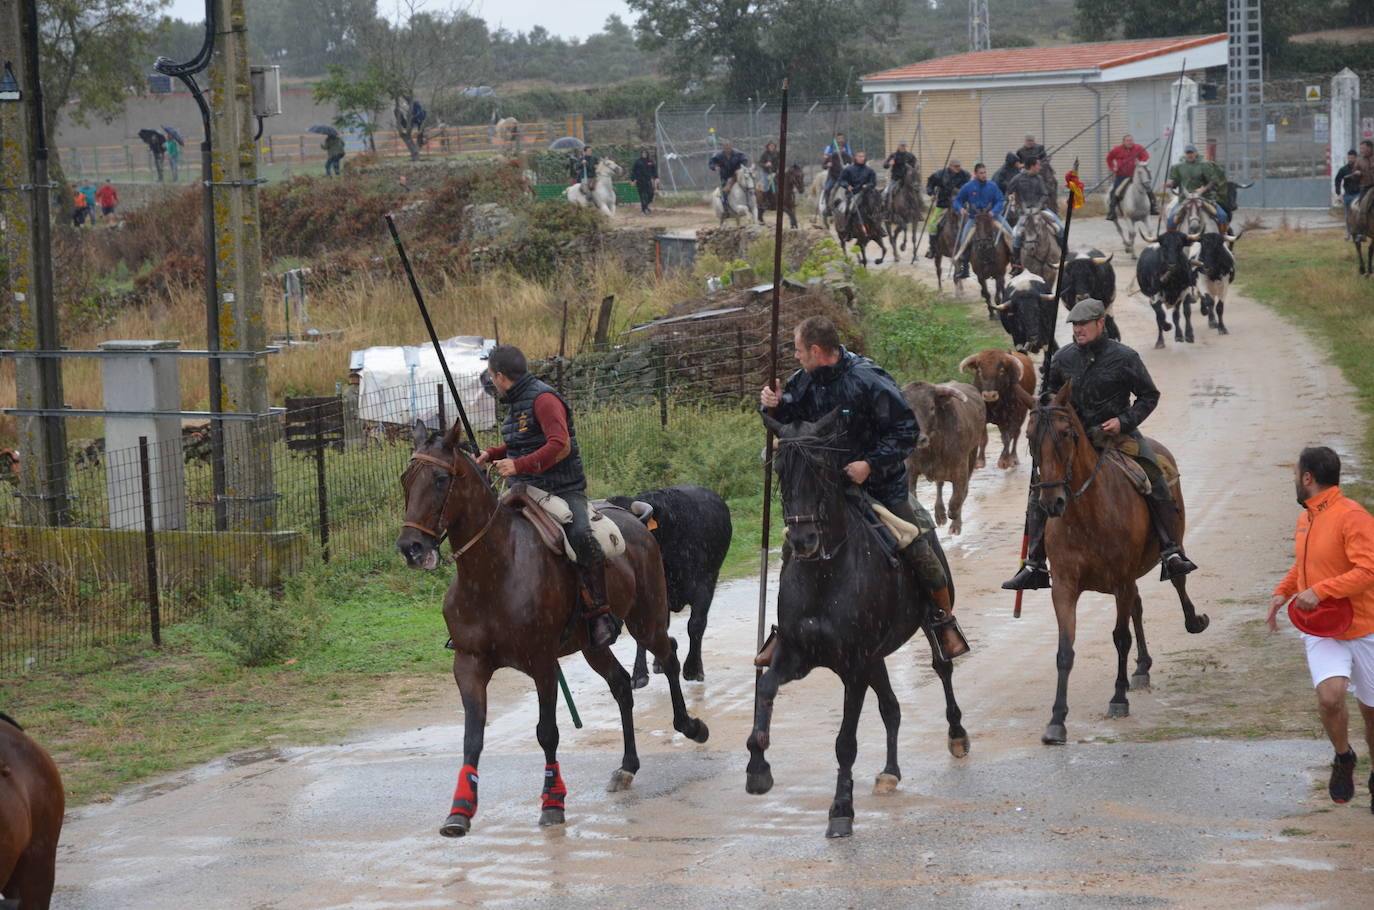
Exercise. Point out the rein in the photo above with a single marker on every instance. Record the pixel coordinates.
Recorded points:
(808, 448)
(452, 467)
(1040, 430)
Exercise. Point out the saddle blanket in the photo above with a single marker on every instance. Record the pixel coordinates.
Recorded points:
(903, 530)
(1120, 451)
(557, 508)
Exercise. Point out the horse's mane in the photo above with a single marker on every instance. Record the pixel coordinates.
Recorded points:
(10, 720)
(812, 454)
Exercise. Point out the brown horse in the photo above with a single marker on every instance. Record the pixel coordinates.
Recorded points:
(31, 806)
(1359, 224)
(513, 603)
(945, 243)
(790, 188)
(859, 219)
(990, 256)
(1102, 539)
(904, 211)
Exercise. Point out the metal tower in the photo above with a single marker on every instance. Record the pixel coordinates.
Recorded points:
(979, 29)
(1244, 89)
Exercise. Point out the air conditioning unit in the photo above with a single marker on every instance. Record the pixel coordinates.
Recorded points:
(885, 103)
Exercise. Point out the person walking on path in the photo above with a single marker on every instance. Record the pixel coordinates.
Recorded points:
(108, 197)
(81, 209)
(88, 190)
(173, 157)
(1331, 590)
(333, 146)
(645, 177)
(158, 144)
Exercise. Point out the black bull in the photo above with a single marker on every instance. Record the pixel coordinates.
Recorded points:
(1028, 314)
(1089, 275)
(1165, 276)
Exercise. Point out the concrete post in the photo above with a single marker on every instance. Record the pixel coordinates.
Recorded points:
(1345, 125)
(238, 247)
(31, 310)
(138, 382)
(1181, 120)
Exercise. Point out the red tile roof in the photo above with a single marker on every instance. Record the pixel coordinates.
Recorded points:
(1070, 57)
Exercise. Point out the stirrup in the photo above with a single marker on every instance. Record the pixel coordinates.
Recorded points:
(601, 632)
(1174, 564)
(942, 623)
(1029, 577)
(764, 658)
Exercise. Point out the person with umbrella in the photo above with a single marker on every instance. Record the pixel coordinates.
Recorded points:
(158, 144)
(174, 144)
(333, 146)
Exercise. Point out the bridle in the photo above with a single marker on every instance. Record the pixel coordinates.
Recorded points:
(1041, 427)
(807, 447)
(454, 471)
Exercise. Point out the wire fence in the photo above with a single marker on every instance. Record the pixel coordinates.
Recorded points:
(147, 542)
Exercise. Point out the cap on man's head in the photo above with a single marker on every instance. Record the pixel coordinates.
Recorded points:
(954, 162)
(1087, 311)
(1190, 148)
(1030, 138)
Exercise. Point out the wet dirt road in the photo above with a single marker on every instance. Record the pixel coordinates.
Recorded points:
(1098, 823)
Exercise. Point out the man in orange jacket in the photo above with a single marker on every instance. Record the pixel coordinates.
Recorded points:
(1334, 541)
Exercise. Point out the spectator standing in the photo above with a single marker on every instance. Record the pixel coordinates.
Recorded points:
(158, 144)
(173, 157)
(645, 177)
(333, 146)
(80, 208)
(1331, 590)
(88, 190)
(108, 197)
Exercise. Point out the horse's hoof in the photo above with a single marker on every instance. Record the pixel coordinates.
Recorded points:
(697, 731)
(1221, 329)
(1197, 623)
(639, 682)
(886, 783)
(840, 827)
(1055, 735)
(1159, 345)
(456, 826)
(620, 780)
(1140, 681)
(1188, 337)
(550, 817)
(1118, 709)
(658, 667)
(959, 746)
(693, 672)
(758, 783)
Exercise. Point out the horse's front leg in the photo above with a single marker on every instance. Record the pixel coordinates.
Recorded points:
(891, 711)
(1193, 621)
(1120, 706)
(604, 662)
(1066, 613)
(555, 792)
(758, 775)
(958, 737)
(472, 676)
(846, 750)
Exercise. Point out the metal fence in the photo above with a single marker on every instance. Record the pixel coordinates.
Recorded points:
(1286, 153)
(687, 137)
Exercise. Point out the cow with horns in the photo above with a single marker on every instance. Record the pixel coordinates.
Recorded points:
(1027, 311)
(997, 375)
(1211, 256)
(1088, 274)
(1165, 273)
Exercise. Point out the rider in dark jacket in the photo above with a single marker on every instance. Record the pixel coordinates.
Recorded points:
(1029, 151)
(726, 163)
(1106, 376)
(944, 185)
(1007, 172)
(879, 430)
(858, 176)
(897, 164)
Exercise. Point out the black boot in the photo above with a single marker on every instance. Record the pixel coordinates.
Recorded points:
(1111, 206)
(930, 248)
(1172, 563)
(1154, 205)
(602, 626)
(961, 272)
(1034, 575)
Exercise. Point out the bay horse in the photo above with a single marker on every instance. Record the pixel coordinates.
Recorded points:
(859, 219)
(990, 256)
(1100, 538)
(1359, 224)
(904, 211)
(513, 603)
(944, 242)
(841, 606)
(31, 805)
(789, 190)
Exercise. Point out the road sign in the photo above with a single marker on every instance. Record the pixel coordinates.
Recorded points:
(1321, 127)
(9, 86)
(1314, 93)
(1270, 133)
(158, 84)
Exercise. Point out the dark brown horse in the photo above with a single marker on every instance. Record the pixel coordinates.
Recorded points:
(990, 256)
(1359, 224)
(859, 220)
(945, 243)
(31, 806)
(904, 211)
(513, 603)
(789, 188)
(1100, 538)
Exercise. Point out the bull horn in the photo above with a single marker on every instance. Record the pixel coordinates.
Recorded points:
(967, 362)
(1047, 297)
(1103, 260)
(1193, 238)
(1148, 239)
(1020, 370)
(1195, 263)
(999, 307)
(1232, 238)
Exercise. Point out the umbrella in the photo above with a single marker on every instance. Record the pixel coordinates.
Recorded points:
(174, 134)
(152, 137)
(323, 130)
(567, 142)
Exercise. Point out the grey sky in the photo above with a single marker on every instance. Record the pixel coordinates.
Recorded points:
(576, 19)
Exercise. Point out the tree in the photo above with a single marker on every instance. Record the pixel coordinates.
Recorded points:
(359, 100)
(306, 36)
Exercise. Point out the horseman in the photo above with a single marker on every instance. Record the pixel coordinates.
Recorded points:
(582, 168)
(943, 185)
(897, 165)
(879, 431)
(1106, 376)
(1029, 190)
(856, 180)
(1007, 172)
(978, 193)
(839, 146)
(1363, 168)
(1194, 174)
(1122, 161)
(1029, 151)
(768, 164)
(726, 163)
(541, 450)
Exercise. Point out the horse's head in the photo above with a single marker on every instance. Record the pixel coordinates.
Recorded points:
(745, 178)
(796, 178)
(438, 485)
(810, 464)
(1142, 175)
(608, 168)
(1055, 432)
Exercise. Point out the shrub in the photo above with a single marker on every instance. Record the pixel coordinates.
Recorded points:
(257, 629)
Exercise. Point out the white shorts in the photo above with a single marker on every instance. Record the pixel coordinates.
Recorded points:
(1353, 659)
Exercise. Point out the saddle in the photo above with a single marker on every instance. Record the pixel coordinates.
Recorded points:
(550, 515)
(1120, 453)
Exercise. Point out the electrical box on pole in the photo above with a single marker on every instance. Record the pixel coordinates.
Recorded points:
(266, 91)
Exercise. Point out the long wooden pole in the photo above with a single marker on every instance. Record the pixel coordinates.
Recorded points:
(772, 378)
(916, 247)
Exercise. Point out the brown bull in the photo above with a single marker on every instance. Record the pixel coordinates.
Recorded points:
(954, 433)
(997, 374)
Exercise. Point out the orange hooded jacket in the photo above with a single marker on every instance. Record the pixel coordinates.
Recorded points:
(1334, 541)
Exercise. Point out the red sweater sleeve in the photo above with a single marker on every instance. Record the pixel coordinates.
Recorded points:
(553, 420)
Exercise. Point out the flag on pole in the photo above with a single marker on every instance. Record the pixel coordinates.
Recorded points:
(1075, 188)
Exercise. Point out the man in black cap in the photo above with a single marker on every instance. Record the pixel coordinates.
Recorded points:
(1106, 376)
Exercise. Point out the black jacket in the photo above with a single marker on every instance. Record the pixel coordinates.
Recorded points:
(645, 171)
(898, 162)
(1027, 155)
(945, 184)
(522, 434)
(583, 167)
(858, 176)
(1030, 190)
(1006, 172)
(880, 427)
(768, 161)
(1106, 376)
(727, 167)
(1341, 175)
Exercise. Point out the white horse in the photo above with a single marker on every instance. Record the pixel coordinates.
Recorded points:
(742, 201)
(1134, 208)
(603, 197)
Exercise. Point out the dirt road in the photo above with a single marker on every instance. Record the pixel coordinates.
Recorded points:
(1111, 820)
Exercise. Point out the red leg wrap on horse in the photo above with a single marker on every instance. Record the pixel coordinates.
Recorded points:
(465, 795)
(555, 791)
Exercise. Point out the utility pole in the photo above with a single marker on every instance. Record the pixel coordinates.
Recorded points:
(979, 28)
(25, 203)
(238, 247)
